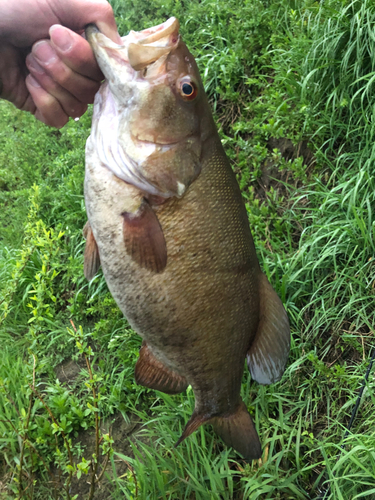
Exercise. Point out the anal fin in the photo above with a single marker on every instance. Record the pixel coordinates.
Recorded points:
(144, 239)
(269, 352)
(152, 373)
(91, 255)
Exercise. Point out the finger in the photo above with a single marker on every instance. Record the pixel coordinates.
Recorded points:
(48, 110)
(70, 104)
(75, 52)
(82, 87)
(78, 13)
(29, 21)
(106, 23)
(29, 105)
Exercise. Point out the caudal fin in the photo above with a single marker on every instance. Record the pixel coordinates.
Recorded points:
(238, 431)
(195, 421)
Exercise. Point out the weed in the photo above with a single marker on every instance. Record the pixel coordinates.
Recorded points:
(301, 72)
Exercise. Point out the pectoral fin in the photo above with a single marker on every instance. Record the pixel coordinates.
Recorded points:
(144, 239)
(152, 373)
(91, 255)
(269, 351)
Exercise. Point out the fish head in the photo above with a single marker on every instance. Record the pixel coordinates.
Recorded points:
(151, 117)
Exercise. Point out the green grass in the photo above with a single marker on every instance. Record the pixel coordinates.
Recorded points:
(273, 70)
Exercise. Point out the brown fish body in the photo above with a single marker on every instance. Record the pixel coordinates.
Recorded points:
(208, 293)
(208, 308)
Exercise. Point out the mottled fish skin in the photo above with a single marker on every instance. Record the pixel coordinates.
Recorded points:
(200, 315)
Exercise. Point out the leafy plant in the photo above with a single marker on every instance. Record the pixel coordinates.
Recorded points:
(291, 87)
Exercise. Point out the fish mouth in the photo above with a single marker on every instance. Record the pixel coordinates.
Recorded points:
(161, 142)
(156, 33)
(139, 48)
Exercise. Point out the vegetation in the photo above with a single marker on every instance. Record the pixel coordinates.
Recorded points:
(291, 84)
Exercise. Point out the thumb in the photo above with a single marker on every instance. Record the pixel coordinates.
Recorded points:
(76, 14)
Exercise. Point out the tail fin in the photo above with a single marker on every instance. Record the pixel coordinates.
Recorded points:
(195, 421)
(238, 431)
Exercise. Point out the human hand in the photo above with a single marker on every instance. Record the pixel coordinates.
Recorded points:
(60, 76)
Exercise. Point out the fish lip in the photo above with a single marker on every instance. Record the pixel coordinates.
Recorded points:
(137, 50)
(155, 33)
(152, 34)
(162, 143)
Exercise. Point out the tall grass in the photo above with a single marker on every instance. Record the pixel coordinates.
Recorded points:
(280, 69)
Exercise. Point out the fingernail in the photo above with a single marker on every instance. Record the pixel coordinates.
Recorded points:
(44, 52)
(33, 65)
(61, 37)
(33, 82)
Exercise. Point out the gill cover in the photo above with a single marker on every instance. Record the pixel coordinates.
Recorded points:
(143, 130)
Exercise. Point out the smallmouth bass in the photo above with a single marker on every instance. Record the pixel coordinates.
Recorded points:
(168, 225)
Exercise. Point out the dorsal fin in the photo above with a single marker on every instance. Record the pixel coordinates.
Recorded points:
(269, 352)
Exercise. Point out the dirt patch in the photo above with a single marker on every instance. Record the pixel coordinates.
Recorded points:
(291, 151)
(124, 431)
(5, 478)
(271, 176)
(68, 371)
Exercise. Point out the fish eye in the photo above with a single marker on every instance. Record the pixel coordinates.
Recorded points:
(188, 89)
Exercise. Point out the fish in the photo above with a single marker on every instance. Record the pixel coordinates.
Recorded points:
(168, 225)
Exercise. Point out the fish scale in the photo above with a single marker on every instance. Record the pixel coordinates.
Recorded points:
(181, 267)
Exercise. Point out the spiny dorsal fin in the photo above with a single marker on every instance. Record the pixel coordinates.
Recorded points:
(91, 255)
(144, 239)
(269, 352)
(152, 373)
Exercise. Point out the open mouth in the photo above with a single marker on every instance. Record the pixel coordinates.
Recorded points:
(140, 49)
(160, 142)
(158, 42)
(156, 33)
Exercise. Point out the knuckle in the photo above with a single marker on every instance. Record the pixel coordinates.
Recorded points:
(51, 112)
(75, 111)
(86, 96)
(107, 10)
(64, 77)
(49, 85)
